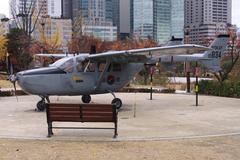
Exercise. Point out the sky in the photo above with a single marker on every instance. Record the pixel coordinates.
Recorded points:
(4, 8)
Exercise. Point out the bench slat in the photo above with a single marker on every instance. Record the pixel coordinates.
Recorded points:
(64, 109)
(84, 119)
(102, 114)
(77, 114)
(63, 105)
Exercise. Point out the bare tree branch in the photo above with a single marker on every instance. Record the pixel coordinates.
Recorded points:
(35, 23)
(27, 19)
(14, 14)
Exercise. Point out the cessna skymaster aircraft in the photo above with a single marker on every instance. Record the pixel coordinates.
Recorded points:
(87, 74)
(210, 59)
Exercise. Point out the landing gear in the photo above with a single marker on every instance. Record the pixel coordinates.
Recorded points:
(117, 102)
(41, 105)
(86, 98)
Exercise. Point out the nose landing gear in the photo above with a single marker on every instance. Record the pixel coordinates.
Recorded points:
(41, 105)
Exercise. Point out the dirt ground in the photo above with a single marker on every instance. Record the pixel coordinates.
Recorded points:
(219, 148)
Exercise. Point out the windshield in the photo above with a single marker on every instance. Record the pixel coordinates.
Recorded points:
(65, 64)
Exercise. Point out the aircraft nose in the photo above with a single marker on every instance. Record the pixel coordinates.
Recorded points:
(16, 77)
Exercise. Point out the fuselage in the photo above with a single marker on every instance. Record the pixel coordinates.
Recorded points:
(75, 76)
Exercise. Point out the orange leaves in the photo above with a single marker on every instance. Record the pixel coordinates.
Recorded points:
(3, 47)
(84, 43)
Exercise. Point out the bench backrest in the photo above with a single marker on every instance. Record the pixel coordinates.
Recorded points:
(81, 112)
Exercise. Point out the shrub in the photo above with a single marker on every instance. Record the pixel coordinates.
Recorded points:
(225, 89)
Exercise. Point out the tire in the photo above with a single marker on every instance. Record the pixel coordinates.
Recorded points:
(41, 106)
(86, 98)
(117, 102)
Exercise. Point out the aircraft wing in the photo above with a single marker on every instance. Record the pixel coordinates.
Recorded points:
(142, 55)
(54, 55)
(57, 55)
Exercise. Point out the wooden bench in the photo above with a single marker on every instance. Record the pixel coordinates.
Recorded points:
(57, 112)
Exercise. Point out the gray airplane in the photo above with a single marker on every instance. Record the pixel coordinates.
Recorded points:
(88, 74)
(210, 59)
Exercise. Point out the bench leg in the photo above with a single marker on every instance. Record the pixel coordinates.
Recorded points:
(50, 132)
(115, 130)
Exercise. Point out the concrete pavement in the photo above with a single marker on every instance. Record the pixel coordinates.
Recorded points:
(168, 116)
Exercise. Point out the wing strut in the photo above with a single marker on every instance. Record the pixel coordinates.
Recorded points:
(99, 81)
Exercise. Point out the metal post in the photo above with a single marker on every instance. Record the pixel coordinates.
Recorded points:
(196, 85)
(187, 64)
(187, 68)
(135, 104)
(151, 90)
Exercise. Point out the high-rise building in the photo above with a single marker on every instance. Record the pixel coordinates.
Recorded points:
(116, 14)
(51, 8)
(67, 9)
(54, 8)
(177, 18)
(124, 18)
(94, 17)
(161, 20)
(168, 19)
(157, 19)
(93, 11)
(18, 7)
(142, 18)
(204, 19)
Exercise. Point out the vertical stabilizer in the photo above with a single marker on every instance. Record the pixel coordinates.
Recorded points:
(213, 57)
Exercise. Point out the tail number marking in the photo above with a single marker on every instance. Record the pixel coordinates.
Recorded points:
(215, 54)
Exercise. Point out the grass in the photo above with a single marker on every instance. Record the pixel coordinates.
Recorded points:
(5, 84)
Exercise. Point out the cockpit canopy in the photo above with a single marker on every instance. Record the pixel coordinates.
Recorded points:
(80, 64)
(68, 64)
(65, 64)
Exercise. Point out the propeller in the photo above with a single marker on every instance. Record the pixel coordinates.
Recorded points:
(12, 78)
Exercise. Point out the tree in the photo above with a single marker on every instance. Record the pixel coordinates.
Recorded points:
(27, 16)
(18, 48)
(3, 48)
(235, 74)
(83, 44)
(230, 60)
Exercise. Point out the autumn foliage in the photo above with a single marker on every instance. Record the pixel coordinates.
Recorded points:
(83, 44)
(3, 47)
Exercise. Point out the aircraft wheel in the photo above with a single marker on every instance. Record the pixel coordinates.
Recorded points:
(41, 105)
(117, 102)
(86, 98)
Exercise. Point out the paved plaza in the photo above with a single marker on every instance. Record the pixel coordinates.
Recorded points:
(167, 116)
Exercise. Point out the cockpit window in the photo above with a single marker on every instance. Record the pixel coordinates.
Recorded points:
(80, 67)
(59, 62)
(101, 67)
(68, 66)
(85, 66)
(65, 64)
(116, 67)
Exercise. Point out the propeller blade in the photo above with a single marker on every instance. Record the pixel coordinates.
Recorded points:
(15, 90)
(11, 69)
(13, 78)
(8, 64)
